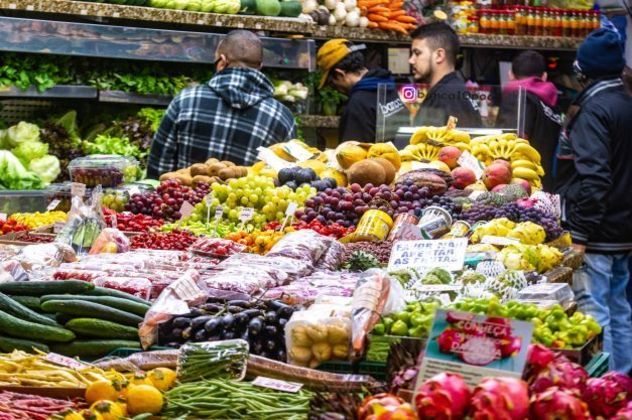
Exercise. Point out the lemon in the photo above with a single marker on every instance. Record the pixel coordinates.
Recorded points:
(163, 378)
(144, 399)
(101, 390)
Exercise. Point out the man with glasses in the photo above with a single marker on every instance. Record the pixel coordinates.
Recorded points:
(228, 117)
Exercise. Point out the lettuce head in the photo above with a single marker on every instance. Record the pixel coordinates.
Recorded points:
(14, 176)
(22, 132)
(30, 150)
(47, 168)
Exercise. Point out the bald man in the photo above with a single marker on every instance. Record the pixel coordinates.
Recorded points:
(228, 117)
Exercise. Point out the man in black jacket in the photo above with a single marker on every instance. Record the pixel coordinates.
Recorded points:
(594, 181)
(433, 58)
(541, 119)
(344, 68)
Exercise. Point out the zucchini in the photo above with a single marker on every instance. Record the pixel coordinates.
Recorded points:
(104, 291)
(81, 308)
(98, 328)
(31, 302)
(93, 348)
(8, 344)
(17, 309)
(40, 288)
(126, 305)
(24, 329)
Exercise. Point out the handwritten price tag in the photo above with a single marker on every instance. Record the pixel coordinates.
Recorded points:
(246, 214)
(77, 189)
(219, 212)
(467, 160)
(291, 209)
(53, 205)
(68, 362)
(186, 210)
(3, 217)
(276, 384)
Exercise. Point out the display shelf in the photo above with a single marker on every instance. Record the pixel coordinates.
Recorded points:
(56, 92)
(152, 14)
(135, 43)
(520, 41)
(117, 96)
(319, 121)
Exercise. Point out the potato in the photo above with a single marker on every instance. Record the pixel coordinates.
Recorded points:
(214, 168)
(337, 334)
(228, 163)
(300, 354)
(184, 171)
(167, 175)
(299, 337)
(199, 169)
(211, 161)
(322, 351)
(233, 172)
(184, 179)
(317, 332)
(341, 351)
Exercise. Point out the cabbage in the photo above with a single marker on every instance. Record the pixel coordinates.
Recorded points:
(22, 132)
(4, 143)
(14, 176)
(30, 150)
(47, 168)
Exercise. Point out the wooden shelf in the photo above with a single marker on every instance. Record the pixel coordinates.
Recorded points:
(319, 121)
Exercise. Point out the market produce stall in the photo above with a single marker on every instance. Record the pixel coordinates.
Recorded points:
(308, 284)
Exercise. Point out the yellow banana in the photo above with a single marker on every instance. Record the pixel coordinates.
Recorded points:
(461, 146)
(525, 173)
(539, 170)
(522, 163)
(529, 152)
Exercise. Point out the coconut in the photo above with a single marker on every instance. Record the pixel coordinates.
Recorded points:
(389, 169)
(366, 172)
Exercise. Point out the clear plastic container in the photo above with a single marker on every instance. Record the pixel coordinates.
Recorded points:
(560, 292)
(105, 170)
(62, 192)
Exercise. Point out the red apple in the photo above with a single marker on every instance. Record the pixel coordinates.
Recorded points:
(449, 155)
(463, 177)
(502, 162)
(496, 174)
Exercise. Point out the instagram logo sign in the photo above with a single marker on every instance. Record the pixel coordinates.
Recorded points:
(408, 93)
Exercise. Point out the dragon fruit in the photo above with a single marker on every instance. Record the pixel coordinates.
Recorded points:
(509, 346)
(450, 340)
(479, 351)
(500, 399)
(560, 373)
(558, 404)
(625, 413)
(540, 356)
(609, 394)
(443, 397)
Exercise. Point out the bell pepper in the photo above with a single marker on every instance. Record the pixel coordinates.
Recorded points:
(379, 329)
(399, 327)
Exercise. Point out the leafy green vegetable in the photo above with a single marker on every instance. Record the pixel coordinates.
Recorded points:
(47, 168)
(21, 133)
(152, 116)
(107, 145)
(14, 176)
(29, 150)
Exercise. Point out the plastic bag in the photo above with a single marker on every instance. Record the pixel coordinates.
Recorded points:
(317, 335)
(13, 271)
(216, 247)
(110, 241)
(282, 269)
(224, 359)
(40, 256)
(176, 299)
(85, 223)
(137, 286)
(305, 245)
(146, 360)
(333, 258)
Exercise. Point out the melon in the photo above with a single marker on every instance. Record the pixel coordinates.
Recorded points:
(386, 151)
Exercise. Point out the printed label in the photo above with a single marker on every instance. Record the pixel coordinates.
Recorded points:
(277, 384)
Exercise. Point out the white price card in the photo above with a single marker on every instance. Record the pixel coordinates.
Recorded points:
(68, 362)
(467, 160)
(133, 189)
(3, 217)
(499, 240)
(297, 152)
(78, 189)
(277, 384)
(186, 209)
(291, 209)
(53, 205)
(219, 212)
(428, 254)
(246, 214)
(272, 160)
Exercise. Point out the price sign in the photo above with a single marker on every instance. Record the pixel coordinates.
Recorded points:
(53, 205)
(78, 189)
(498, 240)
(3, 217)
(297, 152)
(186, 209)
(291, 209)
(428, 254)
(68, 362)
(271, 159)
(246, 214)
(277, 384)
(208, 200)
(467, 160)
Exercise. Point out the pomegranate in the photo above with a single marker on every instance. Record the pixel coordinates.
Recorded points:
(500, 399)
(449, 155)
(463, 177)
(607, 395)
(496, 174)
(443, 397)
(555, 404)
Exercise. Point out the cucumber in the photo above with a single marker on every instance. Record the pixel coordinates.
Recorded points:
(93, 348)
(104, 291)
(40, 288)
(17, 327)
(17, 309)
(81, 308)
(31, 302)
(98, 328)
(8, 344)
(130, 306)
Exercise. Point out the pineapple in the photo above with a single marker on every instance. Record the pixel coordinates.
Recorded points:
(513, 192)
(491, 198)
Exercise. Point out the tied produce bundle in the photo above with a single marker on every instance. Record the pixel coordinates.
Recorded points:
(220, 359)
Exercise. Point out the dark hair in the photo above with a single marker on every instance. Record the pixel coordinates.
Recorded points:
(242, 48)
(439, 35)
(353, 62)
(528, 64)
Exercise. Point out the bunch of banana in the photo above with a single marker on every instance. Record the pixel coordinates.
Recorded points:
(447, 135)
(422, 152)
(497, 227)
(525, 164)
(528, 233)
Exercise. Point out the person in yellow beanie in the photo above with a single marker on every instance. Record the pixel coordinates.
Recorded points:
(343, 67)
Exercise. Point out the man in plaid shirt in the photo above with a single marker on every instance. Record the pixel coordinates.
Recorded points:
(227, 118)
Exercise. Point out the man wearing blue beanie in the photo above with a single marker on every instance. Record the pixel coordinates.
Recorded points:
(594, 180)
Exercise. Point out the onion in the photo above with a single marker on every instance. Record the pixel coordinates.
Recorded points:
(350, 4)
(309, 6)
(364, 22)
(352, 19)
(331, 4)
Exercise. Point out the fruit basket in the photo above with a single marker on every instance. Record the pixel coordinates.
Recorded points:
(104, 170)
